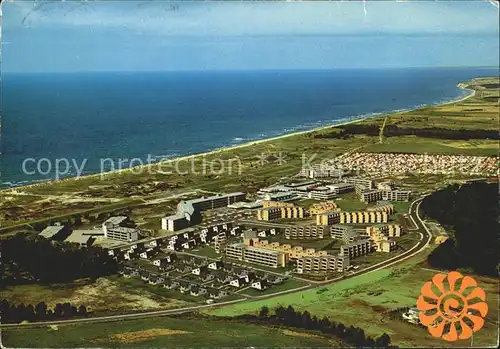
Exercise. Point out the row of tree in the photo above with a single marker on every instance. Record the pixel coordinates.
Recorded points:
(347, 131)
(470, 212)
(290, 317)
(29, 256)
(10, 313)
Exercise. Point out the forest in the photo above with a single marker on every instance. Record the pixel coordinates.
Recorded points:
(353, 336)
(29, 258)
(470, 212)
(347, 131)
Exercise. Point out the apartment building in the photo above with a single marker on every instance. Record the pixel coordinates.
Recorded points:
(269, 203)
(328, 218)
(396, 195)
(272, 213)
(269, 214)
(370, 195)
(292, 252)
(355, 249)
(235, 251)
(322, 264)
(362, 182)
(322, 207)
(389, 230)
(122, 234)
(251, 254)
(361, 217)
(344, 233)
(305, 232)
(281, 196)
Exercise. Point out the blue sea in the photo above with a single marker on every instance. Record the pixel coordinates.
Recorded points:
(123, 115)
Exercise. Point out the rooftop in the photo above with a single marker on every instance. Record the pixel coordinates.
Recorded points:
(51, 230)
(77, 236)
(116, 220)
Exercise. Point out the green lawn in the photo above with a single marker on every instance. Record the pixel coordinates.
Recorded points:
(206, 251)
(285, 286)
(163, 332)
(351, 202)
(362, 301)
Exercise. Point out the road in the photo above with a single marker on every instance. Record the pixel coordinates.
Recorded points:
(425, 239)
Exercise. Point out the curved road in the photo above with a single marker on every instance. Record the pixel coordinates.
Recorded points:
(425, 238)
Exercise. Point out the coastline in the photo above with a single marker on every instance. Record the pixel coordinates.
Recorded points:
(355, 119)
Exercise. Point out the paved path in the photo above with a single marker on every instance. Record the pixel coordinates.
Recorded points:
(425, 238)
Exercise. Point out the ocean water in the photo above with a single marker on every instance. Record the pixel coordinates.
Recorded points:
(98, 116)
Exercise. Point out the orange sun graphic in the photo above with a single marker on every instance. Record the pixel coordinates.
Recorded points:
(450, 307)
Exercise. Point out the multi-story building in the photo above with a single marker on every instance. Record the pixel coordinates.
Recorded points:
(174, 222)
(322, 264)
(341, 188)
(396, 195)
(235, 251)
(305, 232)
(189, 212)
(380, 234)
(370, 195)
(328, 218)
(122, 234)
(256, 255)
(268, 203)
(345, 233)
(322, 207)
(220, 242)
(265, 257)
(288, 212)
(361, 217)
(363, 182)
(269, 214)
(114, 222)
(389, 230)
(355, 249)
(322, 193)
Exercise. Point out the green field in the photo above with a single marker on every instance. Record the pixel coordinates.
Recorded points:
(285, 286)
(162, 333)
(362, 301)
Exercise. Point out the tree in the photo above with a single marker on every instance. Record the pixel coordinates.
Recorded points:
(383, 341)
(41, 310)
(264, 312)
(58, 310)
(82, 310)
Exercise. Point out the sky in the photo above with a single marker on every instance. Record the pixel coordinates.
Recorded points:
(70, 36)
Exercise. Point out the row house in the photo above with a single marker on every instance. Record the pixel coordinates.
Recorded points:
(215, 293)
(165, 261)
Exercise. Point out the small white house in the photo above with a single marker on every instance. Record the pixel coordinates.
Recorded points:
(260, 285)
